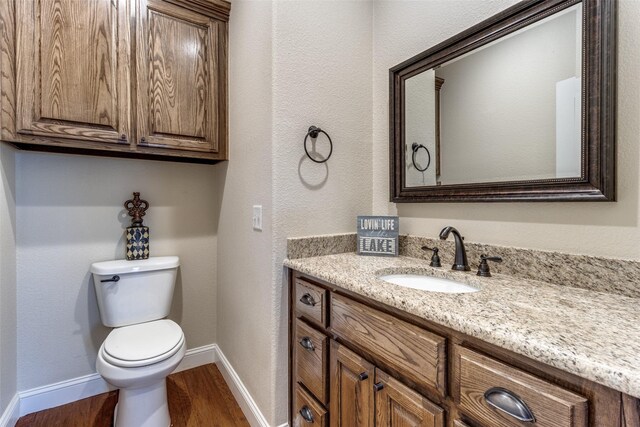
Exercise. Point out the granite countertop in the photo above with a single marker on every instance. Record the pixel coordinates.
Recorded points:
(594, 335)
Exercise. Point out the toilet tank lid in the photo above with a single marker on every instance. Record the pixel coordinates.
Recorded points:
(122, 266)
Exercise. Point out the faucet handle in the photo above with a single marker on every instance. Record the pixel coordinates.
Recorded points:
(483, 268)
(435, 258)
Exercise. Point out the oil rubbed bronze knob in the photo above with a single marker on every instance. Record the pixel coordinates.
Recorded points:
(306, 343)
(307, 299)
(306, 413)
(363, 376)
(378, 386)
(435, 258)
(483, 268)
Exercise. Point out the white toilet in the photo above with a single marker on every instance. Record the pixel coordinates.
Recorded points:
(134, 297)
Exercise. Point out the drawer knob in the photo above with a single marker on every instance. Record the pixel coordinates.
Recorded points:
(378, 386)
(307, 299)
(506, 401)
(363, 376)
(306, 413)
(306, 343)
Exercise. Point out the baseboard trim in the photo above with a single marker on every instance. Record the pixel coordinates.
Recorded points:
(198, 356)
(52, 395)
(63, 392)
(240, 392)
(11, 413)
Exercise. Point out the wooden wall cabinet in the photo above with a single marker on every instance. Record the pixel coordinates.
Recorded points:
(125, 78)
(388, 368)
(73, 70)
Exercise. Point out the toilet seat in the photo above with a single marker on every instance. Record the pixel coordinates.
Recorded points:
(142, 344)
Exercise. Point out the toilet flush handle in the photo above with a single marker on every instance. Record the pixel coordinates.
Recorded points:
(113, 279)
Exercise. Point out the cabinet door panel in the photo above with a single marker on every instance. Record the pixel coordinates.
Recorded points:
(178, 97)
(73, 69)
(399, 406)
(351, 389)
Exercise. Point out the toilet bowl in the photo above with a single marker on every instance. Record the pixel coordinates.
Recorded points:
(144, 347)
(138, 363)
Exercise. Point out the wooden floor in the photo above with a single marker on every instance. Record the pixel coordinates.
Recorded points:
(198, 397)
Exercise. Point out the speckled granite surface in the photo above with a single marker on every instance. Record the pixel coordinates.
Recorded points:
(304, 247)
(588, 272)
(595, 335)
(580, 271)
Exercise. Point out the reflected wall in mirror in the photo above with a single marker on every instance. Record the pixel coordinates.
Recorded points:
(520, 107)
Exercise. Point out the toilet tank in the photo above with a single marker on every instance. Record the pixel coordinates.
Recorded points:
(131, 292)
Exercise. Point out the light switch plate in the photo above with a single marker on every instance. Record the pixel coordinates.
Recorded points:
(257, 217)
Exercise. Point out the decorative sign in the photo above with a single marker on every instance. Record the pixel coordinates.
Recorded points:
(378, 235)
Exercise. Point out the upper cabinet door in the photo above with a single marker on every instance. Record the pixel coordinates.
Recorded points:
(73, 69)
(179, 78)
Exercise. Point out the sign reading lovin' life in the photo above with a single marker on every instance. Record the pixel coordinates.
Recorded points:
(378, 235)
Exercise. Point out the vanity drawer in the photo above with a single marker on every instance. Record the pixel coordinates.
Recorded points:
(406, 348)
(310, 302)
(476, 374)
(307, 411)
(311, 360)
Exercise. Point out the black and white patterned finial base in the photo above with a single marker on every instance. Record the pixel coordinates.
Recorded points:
(137, 243)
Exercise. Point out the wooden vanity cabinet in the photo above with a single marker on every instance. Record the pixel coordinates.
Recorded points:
(389, 368)
(353, 391)
(363, 395)
(123, 78)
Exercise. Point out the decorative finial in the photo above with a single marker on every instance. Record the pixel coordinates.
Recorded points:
(136, 208)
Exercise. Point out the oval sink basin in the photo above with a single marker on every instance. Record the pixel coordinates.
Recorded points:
(428, 283)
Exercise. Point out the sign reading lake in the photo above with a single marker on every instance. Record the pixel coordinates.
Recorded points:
(378, 235)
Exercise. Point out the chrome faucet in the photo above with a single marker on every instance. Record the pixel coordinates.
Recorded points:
(460, 262)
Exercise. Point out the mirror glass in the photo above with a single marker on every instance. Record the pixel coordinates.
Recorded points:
(510, 110)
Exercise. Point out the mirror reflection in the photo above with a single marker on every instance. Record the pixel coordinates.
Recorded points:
(508, 111)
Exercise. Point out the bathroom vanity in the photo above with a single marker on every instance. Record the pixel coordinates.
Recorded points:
(364, 352)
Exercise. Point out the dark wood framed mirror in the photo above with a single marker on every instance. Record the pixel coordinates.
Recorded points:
(527, 112)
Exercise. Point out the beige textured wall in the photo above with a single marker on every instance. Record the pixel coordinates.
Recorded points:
(245, 284)
(8, 317)
(606, 229)
(322, 76)
(69, 214)
(293, 64)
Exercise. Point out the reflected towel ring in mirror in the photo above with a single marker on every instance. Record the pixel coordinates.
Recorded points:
(415, 147)
(313, 133)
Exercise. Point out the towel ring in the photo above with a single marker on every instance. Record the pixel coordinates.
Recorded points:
(415, 147)
(313, 133)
